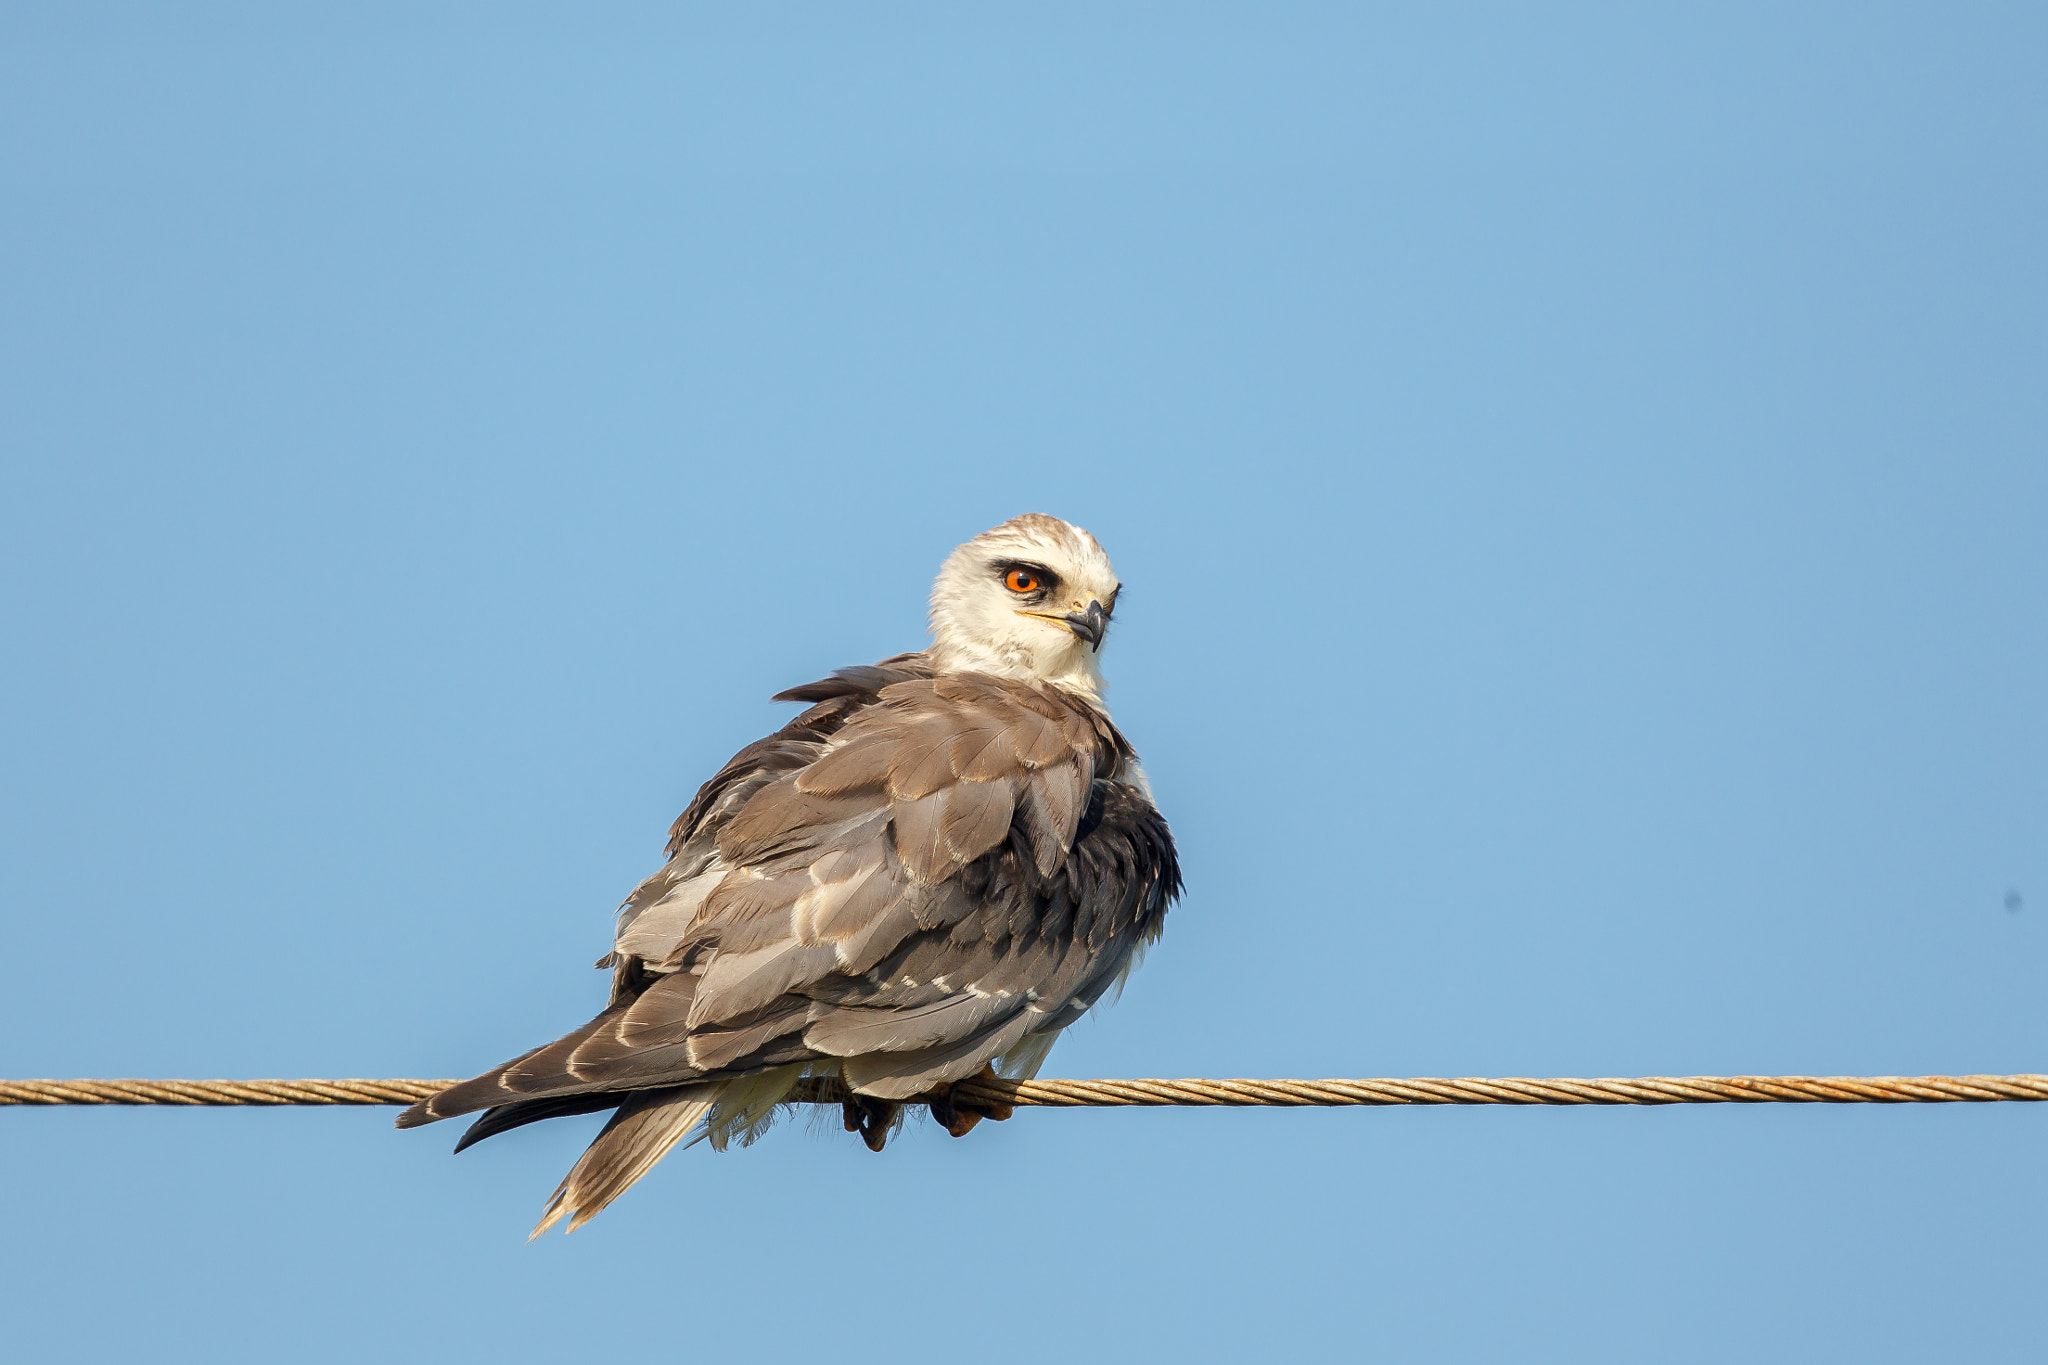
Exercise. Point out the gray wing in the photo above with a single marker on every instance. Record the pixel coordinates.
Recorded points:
(911, 880)
(1032, 955)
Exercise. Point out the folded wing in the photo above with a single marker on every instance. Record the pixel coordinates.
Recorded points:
(912, 879)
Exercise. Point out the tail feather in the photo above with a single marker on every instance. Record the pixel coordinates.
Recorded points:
(647, 1125)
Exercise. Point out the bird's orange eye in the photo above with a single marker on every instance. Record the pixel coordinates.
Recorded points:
(1021, 580)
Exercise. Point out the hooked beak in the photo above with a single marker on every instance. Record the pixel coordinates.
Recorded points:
(1089, 625)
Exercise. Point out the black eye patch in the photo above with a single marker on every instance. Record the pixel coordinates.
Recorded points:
(1043, 581)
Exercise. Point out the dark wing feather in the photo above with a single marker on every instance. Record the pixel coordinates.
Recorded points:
(505, 1117)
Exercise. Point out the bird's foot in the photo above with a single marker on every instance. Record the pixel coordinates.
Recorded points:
(868, 1117)
(959, 1117)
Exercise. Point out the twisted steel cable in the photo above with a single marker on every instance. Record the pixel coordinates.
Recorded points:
(1155, 1093)
(217, 1092)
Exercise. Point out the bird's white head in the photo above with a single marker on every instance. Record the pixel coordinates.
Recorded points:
(1029, 599)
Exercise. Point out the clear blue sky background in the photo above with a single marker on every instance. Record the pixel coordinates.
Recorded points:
(1581, 479)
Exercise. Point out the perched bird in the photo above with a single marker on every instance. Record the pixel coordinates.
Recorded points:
(942, 863)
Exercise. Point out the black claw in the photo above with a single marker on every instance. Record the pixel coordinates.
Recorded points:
(869, 1118)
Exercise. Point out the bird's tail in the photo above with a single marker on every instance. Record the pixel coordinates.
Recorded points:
(641, 1133)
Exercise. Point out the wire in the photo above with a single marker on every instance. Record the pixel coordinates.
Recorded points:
(981, 1093)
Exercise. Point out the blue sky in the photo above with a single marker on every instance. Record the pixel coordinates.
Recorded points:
(1580, 479)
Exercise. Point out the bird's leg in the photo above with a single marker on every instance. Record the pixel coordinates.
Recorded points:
(959, 1119)
(868, 1117)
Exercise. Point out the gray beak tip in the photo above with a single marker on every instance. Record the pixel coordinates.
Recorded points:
(1089, 625)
